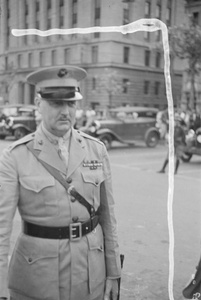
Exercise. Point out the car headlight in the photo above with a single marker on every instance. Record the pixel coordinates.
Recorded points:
(95, 126)
(199, 138)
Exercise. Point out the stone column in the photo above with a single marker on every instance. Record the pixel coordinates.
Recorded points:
(43, 19)
(3, 28)
(27, 96)
(55, 18)
(21, 20)
(32, 19)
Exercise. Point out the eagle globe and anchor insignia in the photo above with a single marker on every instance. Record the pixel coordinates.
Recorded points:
(62, 72)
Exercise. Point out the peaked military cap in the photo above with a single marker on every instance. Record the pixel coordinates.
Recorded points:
(58, 83)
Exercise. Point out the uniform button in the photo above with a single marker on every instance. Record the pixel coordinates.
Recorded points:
(75, 219)
(96, 182)
(30, 259)
(69, 180)
(40, 142)
(73, 199)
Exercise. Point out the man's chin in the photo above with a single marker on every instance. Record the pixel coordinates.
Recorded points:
(61, 130)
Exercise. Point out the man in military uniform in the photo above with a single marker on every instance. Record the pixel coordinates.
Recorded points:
(60, 181)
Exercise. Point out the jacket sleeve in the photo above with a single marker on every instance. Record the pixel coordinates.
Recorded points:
(108, 223)
(9, 194)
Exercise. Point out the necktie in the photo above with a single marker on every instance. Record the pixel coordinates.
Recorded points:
(63, 151)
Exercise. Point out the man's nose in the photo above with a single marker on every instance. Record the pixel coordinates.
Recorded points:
(65, 108)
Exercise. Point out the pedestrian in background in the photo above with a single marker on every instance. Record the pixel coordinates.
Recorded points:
(179, 143)
(162, 122)
(60, 181)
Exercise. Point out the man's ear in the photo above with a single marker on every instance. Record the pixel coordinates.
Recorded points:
(37, 102)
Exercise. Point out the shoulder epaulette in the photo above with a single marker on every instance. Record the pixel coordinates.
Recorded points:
(87, 136)
(21, 141)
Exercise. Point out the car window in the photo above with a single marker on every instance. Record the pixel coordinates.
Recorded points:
(26, 112)
(10, 111)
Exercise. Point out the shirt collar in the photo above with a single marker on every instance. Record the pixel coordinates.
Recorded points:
(53, 138)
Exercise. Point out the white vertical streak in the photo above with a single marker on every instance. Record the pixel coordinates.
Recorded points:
(139, 25)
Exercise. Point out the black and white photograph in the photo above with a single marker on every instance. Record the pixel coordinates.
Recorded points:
(100, 149)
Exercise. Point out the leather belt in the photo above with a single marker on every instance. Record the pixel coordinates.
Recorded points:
(73, 232)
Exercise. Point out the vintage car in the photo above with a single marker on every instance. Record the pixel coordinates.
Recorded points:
(126, 125)
(193, 144)
(20, 120)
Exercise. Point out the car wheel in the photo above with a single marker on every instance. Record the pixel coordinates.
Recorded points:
(107, 140)
(2, 137)
(19, 133)
(186, 157)
(152, 139)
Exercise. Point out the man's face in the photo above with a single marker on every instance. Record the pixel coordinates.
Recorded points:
(58, 116)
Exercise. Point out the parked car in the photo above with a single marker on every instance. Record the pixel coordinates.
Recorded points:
(20, 120)
(126, 125)
(193, 145)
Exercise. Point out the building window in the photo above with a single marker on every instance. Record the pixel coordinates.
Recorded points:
(125, 85)
(147, 58)
(49, 4)
(158, 35)
(19, 60)
(147, 36)
(196, 18)
(61, 21)
(37, 6)
(147, 9)
(126, 55)
(94, 54)
(26, 8)
(146, 87)
(125, 16)
(168, 12)
(37, 24)
(158, 9)
(74, 13)
(158, 59)
(54, 57)
(93, 83)
(67, 56)
(8, 36)
(42, 58)
(61, 3)
(6, 62)
(49, 23)
(97, 14)
(157, 88)
(30, 59)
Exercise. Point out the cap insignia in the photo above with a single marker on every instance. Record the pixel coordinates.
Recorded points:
(62, 73)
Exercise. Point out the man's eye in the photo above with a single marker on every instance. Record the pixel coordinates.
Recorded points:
(71, 103)
(55, 103)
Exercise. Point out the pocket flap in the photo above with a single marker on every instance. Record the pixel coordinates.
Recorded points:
(95, 177)
(37, 183)
(95, 239)
(33, 250)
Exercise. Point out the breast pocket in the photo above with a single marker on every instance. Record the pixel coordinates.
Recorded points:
(33, 268)
(92, 180)
(37, 190)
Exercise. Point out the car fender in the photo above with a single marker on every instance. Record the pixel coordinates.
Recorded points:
(198, 131)
(15, 126)
(110, 132)
(152, 129)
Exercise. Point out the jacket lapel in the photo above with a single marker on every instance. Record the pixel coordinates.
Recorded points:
(77, 152)
(48, 152)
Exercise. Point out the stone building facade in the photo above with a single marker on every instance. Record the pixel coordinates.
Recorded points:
(122, 69)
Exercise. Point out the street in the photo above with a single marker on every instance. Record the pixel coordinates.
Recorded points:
(141, 196)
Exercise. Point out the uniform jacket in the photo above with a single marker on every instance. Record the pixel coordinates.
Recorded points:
(56, 269)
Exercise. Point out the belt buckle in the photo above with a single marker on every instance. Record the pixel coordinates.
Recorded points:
(74, 227)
